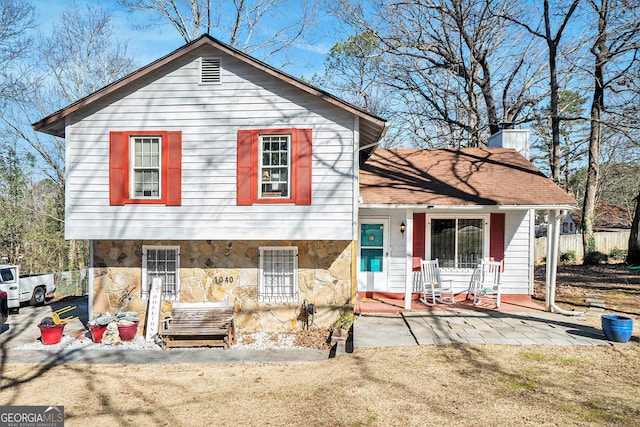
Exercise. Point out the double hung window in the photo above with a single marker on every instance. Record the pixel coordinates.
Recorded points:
(145, 179)
(274, 166)
(145, 167)
(278, 274)
(275, 171)
(161, 262)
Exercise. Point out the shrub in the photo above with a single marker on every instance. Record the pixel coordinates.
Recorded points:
(568, 257)
(618, 254)
(344, 322)
(595, 258)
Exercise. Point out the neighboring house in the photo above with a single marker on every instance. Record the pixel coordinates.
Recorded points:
(568, 225)
(233, 181)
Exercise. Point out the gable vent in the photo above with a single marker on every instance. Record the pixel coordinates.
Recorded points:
(210, 70)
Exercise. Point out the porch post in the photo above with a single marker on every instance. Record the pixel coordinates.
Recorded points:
(553, 239)
(408, 236)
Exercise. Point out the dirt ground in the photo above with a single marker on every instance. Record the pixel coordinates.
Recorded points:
(614, 284)
(461, 385)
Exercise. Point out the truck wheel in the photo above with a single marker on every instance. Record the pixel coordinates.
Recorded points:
(38, 296)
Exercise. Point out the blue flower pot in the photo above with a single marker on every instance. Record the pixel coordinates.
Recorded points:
(617, 328)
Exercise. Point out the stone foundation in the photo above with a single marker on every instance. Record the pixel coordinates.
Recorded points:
(228, 271)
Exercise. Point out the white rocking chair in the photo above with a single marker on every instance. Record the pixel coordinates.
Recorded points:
(486, 282)
(433, 289)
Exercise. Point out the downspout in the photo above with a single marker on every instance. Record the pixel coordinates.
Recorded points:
(553, 240)
(90, 276)
(355, 215)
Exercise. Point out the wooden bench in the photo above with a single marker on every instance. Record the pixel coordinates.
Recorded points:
(199, 325)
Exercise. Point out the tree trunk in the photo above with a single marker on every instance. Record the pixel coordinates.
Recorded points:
(589, 206)
(633, 253)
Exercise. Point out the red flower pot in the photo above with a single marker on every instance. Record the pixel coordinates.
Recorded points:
(51, 334)
(97, 331)
(128, 331)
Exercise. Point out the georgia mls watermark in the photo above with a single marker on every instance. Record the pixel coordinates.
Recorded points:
(31, 416)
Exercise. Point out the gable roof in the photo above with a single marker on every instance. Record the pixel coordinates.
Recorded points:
(460, 177)
(372, 127)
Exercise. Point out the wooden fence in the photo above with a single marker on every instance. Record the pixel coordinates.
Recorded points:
(605, 243)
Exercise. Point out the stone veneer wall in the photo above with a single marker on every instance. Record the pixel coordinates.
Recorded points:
(228, 271)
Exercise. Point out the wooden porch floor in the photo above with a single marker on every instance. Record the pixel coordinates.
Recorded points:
(508, 304)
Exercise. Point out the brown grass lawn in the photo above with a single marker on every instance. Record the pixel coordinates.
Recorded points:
(435, 385)
(461, 385)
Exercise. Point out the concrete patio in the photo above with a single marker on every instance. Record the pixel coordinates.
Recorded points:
(456, 325)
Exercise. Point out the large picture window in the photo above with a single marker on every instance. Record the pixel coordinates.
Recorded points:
(457, 242)
(278, 275)
(161, 262)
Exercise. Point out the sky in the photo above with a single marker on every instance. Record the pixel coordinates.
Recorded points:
(147, 45)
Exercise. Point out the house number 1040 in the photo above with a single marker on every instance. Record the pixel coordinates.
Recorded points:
(226, 279)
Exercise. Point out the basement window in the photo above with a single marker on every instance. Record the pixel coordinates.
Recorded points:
(278, 274)
(210, 70)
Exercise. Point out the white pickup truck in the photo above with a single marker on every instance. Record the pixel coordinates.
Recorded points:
(29, 288)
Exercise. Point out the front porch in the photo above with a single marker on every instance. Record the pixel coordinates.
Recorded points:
(378, 303)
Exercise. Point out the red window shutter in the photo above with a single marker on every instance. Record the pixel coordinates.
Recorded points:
(118, 168)
(303, 158)
(419, 239)
(247, 165)
(496, 237)
(173, 164)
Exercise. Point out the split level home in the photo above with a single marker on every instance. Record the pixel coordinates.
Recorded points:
(232, 181)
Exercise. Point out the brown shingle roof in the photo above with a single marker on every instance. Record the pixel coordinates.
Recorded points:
(460, 177)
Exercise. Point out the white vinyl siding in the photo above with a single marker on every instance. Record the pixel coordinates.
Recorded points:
(278, 274)
(209, 117)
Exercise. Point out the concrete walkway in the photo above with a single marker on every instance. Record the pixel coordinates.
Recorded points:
(172, 356)
(474, 327)
(441, 326)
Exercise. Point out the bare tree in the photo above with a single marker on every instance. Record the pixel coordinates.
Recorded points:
(16, 17)
(573, 136)
(615, 52)
(552, 39)
(457, 65)
(80, 56)
(259, 27)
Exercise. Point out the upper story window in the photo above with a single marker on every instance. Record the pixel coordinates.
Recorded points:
(274, 173)
(274, 166)
(145, 167)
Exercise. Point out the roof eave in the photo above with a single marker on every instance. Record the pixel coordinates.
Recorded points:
(467, 207)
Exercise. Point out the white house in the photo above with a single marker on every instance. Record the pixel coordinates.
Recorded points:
(233, 181)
